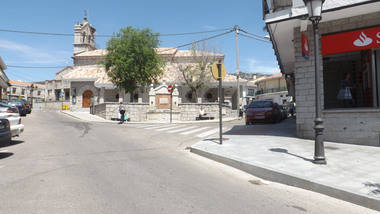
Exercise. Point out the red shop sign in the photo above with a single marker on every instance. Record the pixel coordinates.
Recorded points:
(351, 41)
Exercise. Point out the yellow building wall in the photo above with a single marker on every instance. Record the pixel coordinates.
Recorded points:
(275, 83)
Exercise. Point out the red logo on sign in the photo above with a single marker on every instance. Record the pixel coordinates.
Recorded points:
(351, 41)
(305, 47)
(170, 88)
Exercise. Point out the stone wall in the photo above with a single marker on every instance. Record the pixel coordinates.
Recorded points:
(140, 112)
(49, 105)
(355, 126)
(110, 110)
(189, 111)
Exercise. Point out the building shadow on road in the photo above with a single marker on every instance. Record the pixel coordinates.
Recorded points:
(285, 128)
(285, 151)
(12, 143)
(5, 155)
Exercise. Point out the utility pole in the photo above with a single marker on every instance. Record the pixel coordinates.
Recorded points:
(236, 28)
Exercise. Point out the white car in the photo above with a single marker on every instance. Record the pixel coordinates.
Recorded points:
(12, 115)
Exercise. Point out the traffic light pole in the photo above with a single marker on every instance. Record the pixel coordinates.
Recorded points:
(220, 103)
(171, 105)
(237, 69)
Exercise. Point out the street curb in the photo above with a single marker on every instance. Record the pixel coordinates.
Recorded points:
(292, 180)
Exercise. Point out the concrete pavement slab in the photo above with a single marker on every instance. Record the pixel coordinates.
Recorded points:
(351, 173)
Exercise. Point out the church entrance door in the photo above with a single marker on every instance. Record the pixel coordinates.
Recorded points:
(86, 99)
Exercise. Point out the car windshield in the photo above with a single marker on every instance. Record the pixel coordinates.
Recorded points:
(15, 103)
(3, 105)
(261, 104)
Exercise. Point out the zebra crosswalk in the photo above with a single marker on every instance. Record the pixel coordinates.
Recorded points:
(191, 130)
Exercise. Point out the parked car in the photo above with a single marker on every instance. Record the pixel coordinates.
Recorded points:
(20, 106)
(263, 111)
(27, 104)
(5, 131)
(8, 113)
(284, 111)
(8, 108)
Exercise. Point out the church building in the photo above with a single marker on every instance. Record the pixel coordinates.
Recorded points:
(86, 82)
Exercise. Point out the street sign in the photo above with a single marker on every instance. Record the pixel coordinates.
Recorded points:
(215, 71)
(170, 88)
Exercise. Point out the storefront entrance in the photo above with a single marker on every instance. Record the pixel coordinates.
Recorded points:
(351, 73)
(86, 99)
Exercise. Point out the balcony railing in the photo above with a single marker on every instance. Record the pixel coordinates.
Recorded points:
(271, 90)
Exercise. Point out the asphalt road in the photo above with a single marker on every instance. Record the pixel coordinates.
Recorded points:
(62, 165)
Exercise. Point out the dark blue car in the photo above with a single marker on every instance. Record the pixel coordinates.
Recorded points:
(5, 131)
(20, 106)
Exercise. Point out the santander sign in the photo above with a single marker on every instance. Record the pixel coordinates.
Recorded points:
(351, 41)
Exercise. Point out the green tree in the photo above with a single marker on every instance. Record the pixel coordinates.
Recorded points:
(131, 59)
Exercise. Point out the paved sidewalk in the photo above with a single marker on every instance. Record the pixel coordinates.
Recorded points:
(272, 152)
(86, 116)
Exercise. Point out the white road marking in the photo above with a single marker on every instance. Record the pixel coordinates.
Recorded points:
(194, 130)
(159, 126)
(208, 133)
(172, 127)
(181, 129)
(144, 126)
(3, 150)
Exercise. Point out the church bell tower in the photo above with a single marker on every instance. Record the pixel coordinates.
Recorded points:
(83, 37)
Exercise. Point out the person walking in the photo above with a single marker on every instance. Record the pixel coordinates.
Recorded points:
(122, 112)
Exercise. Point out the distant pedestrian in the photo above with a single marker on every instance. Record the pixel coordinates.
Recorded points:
(201, 112)
(122, 112)
(240, 112)
(292, 108)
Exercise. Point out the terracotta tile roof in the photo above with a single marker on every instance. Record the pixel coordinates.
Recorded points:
(263, 78)
(189, 53)
(98, 73)
(12, 82)
(99, 52)
(85, 72)
(160, 51)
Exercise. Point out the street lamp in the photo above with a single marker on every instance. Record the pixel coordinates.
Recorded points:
(314, 8)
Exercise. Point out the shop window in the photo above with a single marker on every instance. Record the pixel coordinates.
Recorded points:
(349, 80)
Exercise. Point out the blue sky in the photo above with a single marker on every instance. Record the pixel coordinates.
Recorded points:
(164, 16)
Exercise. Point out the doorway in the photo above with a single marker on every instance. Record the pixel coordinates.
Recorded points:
(86, 99)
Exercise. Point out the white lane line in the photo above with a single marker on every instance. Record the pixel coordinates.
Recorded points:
(172, 127)
(145, 126)
(3, 150)
(159, 127)
(208, 133)
(182, 129)
(194, 130)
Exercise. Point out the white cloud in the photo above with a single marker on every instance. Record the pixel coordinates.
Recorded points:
(31, 55)
(251, 65)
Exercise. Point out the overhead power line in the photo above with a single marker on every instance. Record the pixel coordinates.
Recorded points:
(197, 41)
(38, 67)
(37, 33)
(252, 34)
(100, 35)
(255, 38)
